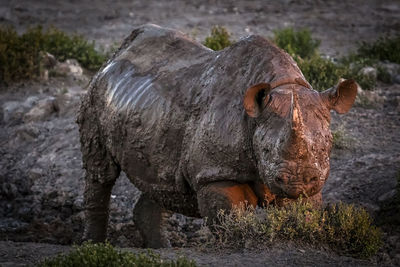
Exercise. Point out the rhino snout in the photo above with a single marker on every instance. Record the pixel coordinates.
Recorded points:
(294, 184)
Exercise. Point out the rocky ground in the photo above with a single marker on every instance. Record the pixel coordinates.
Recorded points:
(41, 176)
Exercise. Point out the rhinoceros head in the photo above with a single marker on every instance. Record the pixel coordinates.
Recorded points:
(292, 139)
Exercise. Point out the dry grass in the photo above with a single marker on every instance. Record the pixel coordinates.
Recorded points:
(345, 228)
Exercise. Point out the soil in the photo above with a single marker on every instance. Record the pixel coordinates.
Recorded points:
(41, 176)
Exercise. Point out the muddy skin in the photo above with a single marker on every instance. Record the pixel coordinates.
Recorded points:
(198, 130)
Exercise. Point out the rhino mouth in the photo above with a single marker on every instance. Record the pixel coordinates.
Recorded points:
(295, 190)
(291, 186)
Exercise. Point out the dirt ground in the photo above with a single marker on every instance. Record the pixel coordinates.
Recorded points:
(41, 176)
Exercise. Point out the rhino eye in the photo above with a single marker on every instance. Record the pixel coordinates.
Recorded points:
(314, 179)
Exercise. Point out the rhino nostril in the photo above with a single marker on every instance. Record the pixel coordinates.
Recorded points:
(279, 179)
(282, 179)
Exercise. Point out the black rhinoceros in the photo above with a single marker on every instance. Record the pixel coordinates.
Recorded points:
(197, 130)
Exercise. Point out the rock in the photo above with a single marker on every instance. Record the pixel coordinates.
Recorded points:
(387, 195)
(67, 102)
(368, 99)
(12, 111)
(27, 133)
(47, 62)
(371, 208)
(6, 14)
(396, 79)
(30, 102)
(369, 72)
(392, 69)
(42, 110)
(35, 173)
(69, 67)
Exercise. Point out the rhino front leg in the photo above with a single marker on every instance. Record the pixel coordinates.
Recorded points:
(223, 195)
(97, 199)
(101, 174)
(150, 219)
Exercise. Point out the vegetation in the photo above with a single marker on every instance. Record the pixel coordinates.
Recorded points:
(298, 43)
(343, 227)
(20, 55)
(219, 39)
(341, 140)
(385, 48)
(103, 254)
(322, 73)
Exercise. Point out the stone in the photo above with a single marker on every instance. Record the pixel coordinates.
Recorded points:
(41, 111)
(35, 173)
(387, 195)
(392, 69)
(47, 62)
(67, 102)
(69, 67)
(12, 110)
(396, 79)
(369, 72)
(27, 133)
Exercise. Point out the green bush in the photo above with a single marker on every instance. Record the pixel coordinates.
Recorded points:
(103, 254)
(296, 43)
(344, 228)
(219, 39)
(323, 73)
(385, 48)
(20, 55)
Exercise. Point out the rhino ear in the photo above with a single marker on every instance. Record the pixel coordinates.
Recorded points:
(341, 97)
(255, 99)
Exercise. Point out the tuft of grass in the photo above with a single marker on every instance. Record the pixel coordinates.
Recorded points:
(219, 38)
(104, 254)
(341, 140)
(20, 55)
(296, 43)
(345, 228)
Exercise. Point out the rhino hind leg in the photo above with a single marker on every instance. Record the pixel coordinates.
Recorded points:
(150, 219)
(223, 195)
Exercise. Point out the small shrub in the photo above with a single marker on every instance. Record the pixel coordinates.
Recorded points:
(219, 39)
(385, 48)
(343, 227)
(20, 55)
(296, 43)
(341, 140)
(322, 73)
(383, 75)
(98, 255)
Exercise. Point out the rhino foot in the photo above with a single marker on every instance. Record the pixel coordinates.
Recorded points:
(223, 195)
(150, 219)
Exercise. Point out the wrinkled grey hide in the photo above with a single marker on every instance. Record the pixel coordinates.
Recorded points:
(197, 130)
